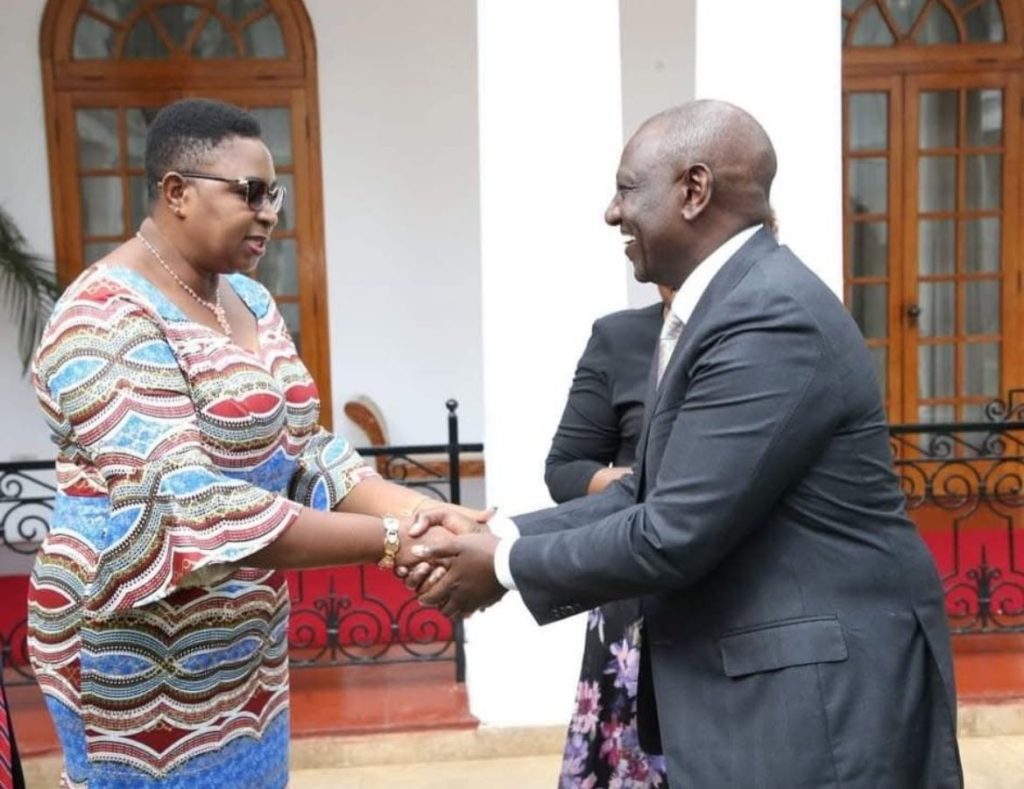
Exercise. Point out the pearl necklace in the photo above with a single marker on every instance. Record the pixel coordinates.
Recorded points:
(213, 306)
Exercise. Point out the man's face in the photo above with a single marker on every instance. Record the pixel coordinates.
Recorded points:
(646, 209)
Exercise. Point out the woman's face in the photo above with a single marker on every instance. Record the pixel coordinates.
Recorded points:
(222, 232)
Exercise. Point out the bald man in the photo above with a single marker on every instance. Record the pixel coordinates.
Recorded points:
(794, 631)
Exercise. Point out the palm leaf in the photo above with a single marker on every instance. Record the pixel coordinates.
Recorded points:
(27, 288)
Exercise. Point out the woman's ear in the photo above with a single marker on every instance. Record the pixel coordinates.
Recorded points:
(696, 184)
(172, 192)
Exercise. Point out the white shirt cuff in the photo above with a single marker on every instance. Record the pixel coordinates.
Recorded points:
(507, 532)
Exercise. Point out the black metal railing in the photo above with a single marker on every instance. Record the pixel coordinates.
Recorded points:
(964, 484)
(339, 616)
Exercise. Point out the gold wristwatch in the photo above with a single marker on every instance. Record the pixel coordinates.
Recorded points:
(391, 543)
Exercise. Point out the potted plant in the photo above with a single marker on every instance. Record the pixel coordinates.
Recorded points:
(27, 288)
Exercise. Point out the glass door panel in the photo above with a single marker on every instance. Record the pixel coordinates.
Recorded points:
(954, 293)
(110, 138)
(871, 180)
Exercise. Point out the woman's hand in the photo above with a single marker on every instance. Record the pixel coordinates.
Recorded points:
(605, 477)
(432, 505)
(434, 524)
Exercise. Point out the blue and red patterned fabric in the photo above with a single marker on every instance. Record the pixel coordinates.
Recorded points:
(164, 660)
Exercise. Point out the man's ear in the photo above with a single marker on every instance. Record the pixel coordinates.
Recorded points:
(696, 184)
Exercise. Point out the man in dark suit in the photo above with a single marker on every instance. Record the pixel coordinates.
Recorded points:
(794, 631)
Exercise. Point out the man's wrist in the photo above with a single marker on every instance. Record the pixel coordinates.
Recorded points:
(503, 562)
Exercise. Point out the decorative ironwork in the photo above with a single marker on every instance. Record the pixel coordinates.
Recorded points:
(964, 484)
(26, 504)
(358, 626)
(14, 645)
(345, 615)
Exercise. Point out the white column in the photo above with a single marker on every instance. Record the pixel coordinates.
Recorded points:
(781, 61)
(550, 138)
(657, 72)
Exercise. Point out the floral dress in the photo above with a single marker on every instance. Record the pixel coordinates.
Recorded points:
(602, 748)
(163, 659)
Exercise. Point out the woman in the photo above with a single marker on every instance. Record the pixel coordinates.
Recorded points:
(191, 467)
(594, 445)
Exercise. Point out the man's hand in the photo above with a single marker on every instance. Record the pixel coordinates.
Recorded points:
(432, 506)
(469, 583)
(456, 520)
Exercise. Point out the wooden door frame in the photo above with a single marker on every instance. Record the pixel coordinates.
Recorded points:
(892, 86)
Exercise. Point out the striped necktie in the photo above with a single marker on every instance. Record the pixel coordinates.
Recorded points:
(670, 331)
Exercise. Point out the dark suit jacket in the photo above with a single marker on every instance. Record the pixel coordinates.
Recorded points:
(795, 629)
(604, 412)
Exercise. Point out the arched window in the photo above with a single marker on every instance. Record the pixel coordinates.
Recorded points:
(932, 149)
(109, 65)
(887, 23)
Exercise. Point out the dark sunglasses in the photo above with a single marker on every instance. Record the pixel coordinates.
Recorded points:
(257, 192)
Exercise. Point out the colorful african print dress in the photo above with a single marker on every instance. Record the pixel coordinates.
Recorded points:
(163, 659)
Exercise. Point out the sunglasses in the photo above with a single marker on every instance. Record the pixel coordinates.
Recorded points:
(257, 192)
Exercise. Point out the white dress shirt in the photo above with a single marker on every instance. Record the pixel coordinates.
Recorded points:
(683, 305)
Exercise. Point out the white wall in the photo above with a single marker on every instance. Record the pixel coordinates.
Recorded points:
(398, 109)
(25, 195)
(657, 41)
(783, 65)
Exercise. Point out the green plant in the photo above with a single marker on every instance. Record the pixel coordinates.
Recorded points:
(27, 287)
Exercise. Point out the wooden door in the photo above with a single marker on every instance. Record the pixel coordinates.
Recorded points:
(931, 145)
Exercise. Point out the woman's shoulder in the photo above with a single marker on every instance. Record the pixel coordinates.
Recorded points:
(103, 285)
(630, 326)
(99, 314)
(256, 297)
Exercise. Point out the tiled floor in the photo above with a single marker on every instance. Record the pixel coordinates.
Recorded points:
(520, 773)
(989, 763)
(366, 699)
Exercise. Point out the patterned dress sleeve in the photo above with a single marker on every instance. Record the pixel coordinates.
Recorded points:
(327, 466)
(111, 386)
(328, 469)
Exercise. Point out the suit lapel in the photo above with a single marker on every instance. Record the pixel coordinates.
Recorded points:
(758, 246)
(641, 449)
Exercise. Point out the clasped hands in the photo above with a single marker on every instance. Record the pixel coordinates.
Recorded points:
(447, 558)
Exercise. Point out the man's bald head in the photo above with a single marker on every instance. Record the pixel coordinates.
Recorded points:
(689, 180)
(730, 142)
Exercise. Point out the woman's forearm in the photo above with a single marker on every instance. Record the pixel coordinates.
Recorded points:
(321, 539)
(379, 497)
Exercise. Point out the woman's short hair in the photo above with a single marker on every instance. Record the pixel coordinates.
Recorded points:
(184, 134)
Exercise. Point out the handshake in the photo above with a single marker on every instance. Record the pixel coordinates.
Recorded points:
(446, 556)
